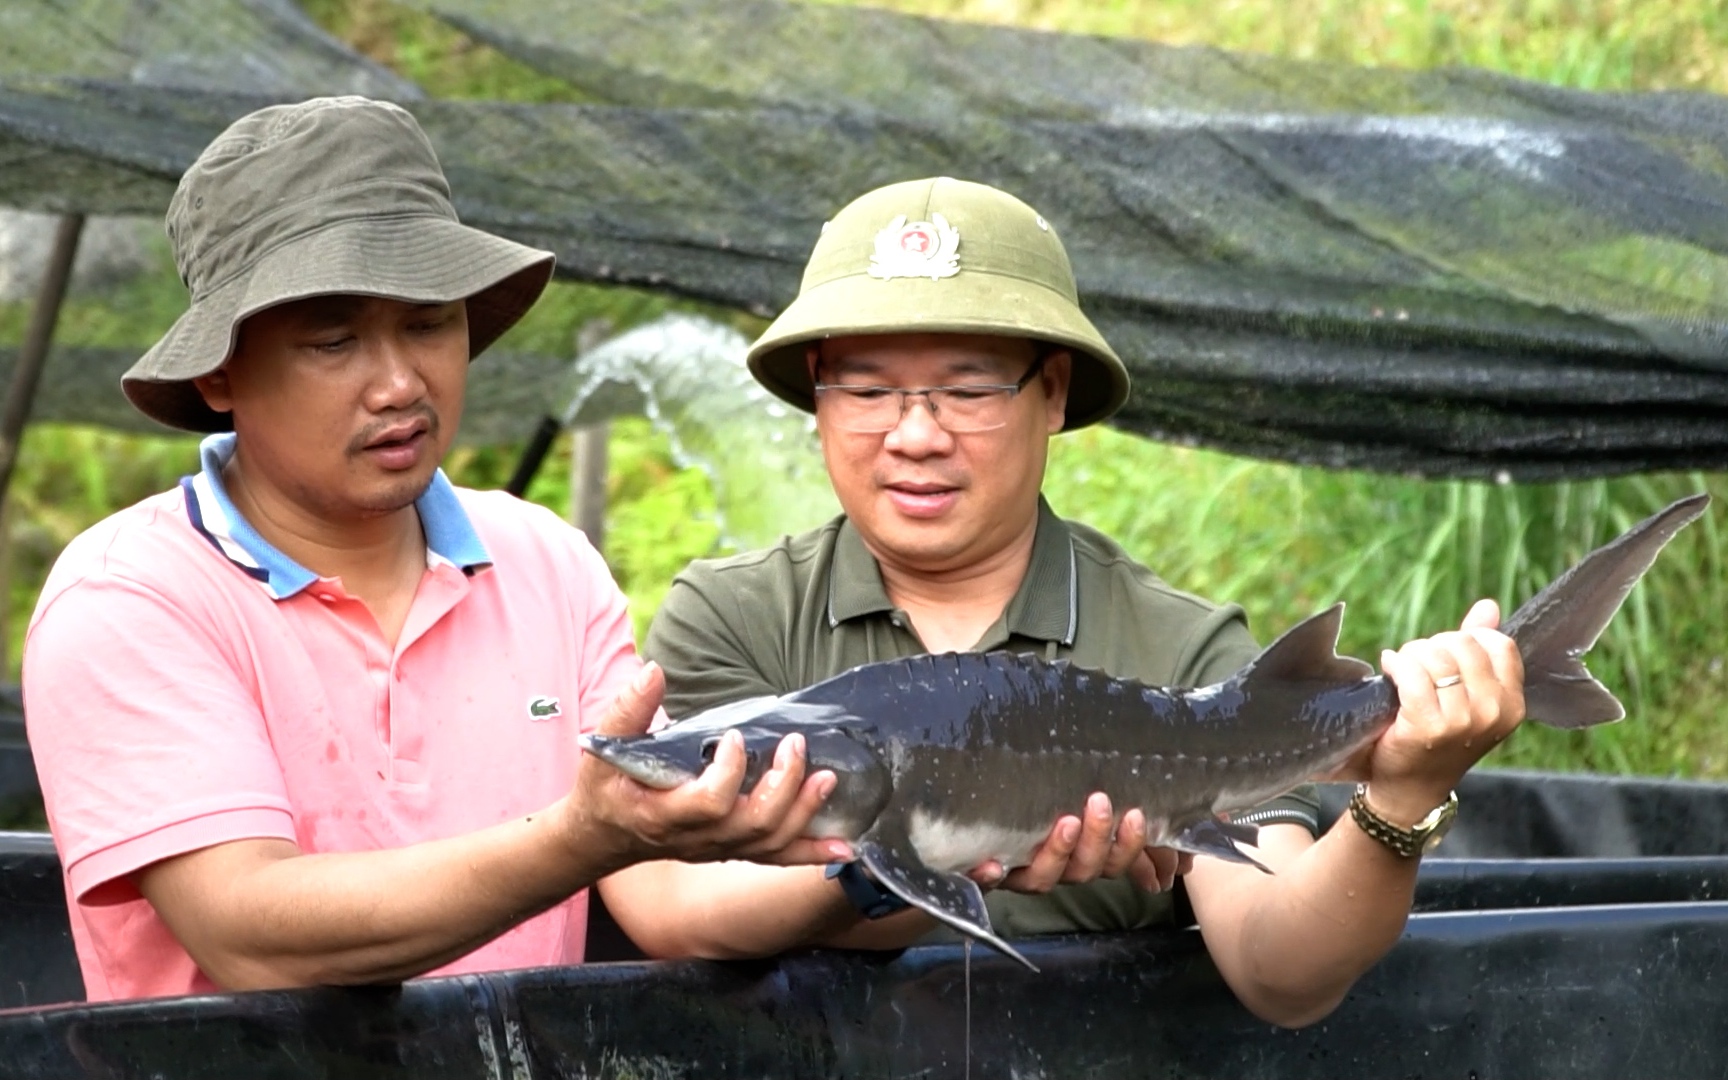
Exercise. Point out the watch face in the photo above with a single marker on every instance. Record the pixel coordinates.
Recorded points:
(1448, 813)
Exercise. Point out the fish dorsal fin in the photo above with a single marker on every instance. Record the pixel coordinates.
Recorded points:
(1307, 652)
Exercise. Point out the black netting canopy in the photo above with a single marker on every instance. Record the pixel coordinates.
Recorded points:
(1449, 273)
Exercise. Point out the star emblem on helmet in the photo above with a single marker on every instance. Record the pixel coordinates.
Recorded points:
(916, 249)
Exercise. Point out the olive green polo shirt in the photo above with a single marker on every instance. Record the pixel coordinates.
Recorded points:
(813, 605)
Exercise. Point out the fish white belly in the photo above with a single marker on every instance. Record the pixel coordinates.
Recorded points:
(834, 825)
(945, 844)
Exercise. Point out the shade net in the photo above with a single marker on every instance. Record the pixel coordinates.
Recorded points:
(1449, 274)
(266, 46)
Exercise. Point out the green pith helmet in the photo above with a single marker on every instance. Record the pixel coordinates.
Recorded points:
(940, 256)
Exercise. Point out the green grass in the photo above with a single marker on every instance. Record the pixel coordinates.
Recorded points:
(1588, 44)
(1407, 556)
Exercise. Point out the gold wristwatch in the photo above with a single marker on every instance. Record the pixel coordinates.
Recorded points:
(1424, 836)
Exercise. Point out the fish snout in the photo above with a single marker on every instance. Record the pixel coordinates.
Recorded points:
(642, 758)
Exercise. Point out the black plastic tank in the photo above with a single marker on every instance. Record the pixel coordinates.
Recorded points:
(1576, 927)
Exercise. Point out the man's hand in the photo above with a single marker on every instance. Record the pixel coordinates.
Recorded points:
(707, 818)
(1461, 695)
(1079, 850)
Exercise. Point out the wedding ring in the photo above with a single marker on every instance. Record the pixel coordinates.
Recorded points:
(1449, 680)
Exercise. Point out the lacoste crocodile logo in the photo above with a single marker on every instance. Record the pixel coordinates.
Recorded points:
(544, 707)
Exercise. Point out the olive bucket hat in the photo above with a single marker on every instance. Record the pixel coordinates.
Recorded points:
(338, 195)
(945, 256)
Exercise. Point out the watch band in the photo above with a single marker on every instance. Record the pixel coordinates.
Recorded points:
(865, 892)
(1410, 842)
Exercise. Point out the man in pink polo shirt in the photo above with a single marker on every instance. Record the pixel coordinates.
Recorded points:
(311, 716)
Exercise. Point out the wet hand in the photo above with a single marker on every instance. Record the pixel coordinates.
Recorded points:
(1461, 695)
(707, 818)
(1096, 845)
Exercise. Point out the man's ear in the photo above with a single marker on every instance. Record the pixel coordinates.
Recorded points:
(215, 390)
(1057, 372)
(812, 359)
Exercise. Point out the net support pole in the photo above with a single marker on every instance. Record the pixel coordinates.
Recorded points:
(588, 463)
(588, 480)
(38, 336)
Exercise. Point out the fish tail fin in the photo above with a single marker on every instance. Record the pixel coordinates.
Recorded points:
(1557, 626)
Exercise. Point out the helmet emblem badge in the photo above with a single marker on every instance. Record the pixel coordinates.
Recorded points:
(917, 249)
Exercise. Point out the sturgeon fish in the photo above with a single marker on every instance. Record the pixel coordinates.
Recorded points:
(946, 761)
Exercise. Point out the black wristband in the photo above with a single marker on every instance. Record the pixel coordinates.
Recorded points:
(866, 894)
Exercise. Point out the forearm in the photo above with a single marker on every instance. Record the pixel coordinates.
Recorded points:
(281, 918)
(734, 910)
(1291, 944)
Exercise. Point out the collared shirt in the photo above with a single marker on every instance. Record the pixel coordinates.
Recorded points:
(450, 536)
(187, 684)
(814, 605)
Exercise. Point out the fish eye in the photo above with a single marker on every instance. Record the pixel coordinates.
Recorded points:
(712, 743)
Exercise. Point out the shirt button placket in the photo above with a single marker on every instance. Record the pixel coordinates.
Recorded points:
(379, 668)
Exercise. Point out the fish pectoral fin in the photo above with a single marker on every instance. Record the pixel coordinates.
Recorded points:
(1220, 839)
(953, 899)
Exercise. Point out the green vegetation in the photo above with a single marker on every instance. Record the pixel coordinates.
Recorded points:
(1408, 556)
(1589, 44)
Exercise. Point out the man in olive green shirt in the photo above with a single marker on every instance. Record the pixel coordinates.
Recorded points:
(939, 341)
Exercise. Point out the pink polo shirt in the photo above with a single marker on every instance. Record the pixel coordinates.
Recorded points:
(186, 685)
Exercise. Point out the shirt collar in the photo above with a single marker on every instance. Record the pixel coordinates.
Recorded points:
(450, 535)
(1045, 606)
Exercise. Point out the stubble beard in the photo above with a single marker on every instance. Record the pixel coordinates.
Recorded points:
(403, 490)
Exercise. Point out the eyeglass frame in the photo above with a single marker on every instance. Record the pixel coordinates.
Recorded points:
(906, 394)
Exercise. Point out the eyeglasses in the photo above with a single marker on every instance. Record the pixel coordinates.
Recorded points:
(961, 410)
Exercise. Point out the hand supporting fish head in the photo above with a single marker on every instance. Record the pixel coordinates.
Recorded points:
(833, 740)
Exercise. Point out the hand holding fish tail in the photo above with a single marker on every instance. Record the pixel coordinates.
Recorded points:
(704, 819)
(1461, 694)
(1291, 943)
